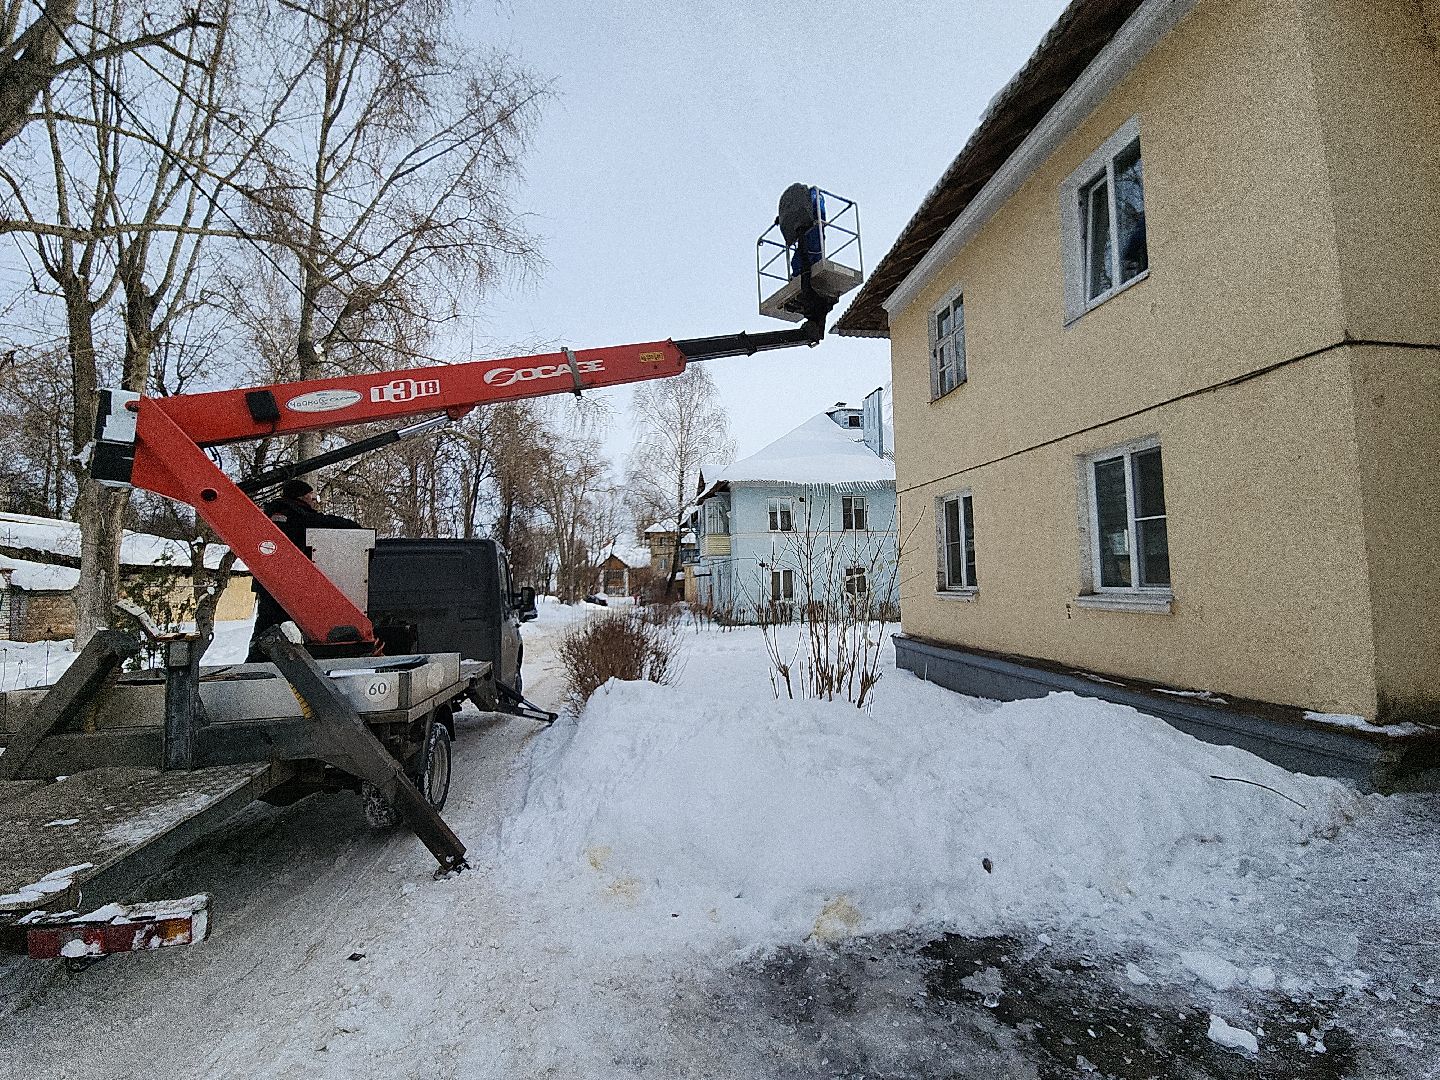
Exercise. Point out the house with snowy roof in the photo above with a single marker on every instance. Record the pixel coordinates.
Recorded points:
(808, 518)
(40, 569)
(617, 564)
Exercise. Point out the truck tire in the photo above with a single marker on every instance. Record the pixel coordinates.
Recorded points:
(434, 774)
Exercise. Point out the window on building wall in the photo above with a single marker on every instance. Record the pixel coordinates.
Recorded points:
(957, 543)
(852, 513)
(1103, 222)
(1112, 211)
(947, 347)
(782, 585)
(782, 516)
(856, 584)
(717, 518)
(1130, 544)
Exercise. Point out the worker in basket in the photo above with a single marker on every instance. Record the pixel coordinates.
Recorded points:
(296, 510)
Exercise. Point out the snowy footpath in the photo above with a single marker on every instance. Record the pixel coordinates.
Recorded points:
(700, 881)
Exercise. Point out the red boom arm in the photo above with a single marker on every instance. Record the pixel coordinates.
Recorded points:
(170, 433)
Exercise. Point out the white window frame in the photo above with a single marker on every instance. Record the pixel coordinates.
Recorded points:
(777, 509)
(717, 514)
(955, 339)
(1157, 595)
(943, 584)
(849, 504)
(1072, 222)
(782, 580)
(857, 583)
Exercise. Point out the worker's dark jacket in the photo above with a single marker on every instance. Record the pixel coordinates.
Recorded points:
(292, 518)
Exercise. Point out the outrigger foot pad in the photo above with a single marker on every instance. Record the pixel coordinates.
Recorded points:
(515, 703)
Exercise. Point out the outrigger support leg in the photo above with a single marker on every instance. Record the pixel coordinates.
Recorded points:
(72, 692)
(341, 739)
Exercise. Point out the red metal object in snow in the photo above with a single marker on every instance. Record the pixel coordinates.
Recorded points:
(122, 929)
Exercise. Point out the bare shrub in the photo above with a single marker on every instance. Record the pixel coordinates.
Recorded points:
(633, 645)
(841, 604)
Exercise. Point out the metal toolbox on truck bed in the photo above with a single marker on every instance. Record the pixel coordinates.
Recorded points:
(247, 692)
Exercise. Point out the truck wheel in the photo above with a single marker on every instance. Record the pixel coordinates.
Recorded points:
(435, 766)
(379, 812)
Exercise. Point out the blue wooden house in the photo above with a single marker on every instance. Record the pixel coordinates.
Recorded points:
(809, 518)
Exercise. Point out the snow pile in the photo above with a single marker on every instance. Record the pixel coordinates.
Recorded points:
(757, 820)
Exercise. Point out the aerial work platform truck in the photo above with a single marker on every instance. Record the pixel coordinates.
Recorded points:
(108, 775)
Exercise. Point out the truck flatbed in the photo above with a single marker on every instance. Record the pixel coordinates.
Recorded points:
(70, 844)
(86, 840)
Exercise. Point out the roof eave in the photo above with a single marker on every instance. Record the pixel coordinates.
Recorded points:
(1082, 33)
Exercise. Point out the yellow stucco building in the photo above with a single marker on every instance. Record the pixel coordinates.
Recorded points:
(1166, 352)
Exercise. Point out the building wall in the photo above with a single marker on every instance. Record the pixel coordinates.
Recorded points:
(1397, 419)
(742, 579)
(50, 616)
(1284, 499)
(1266, 558)
(41, 616)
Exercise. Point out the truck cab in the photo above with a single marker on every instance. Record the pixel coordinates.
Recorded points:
(450, 596)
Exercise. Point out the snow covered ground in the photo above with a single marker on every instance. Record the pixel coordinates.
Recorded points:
(701, 881)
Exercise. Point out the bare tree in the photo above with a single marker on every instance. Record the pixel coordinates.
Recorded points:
(38, 45)
(682, 426)
(388, 188)
(115, 224)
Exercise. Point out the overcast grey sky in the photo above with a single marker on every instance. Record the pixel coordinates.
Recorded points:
(675, 129)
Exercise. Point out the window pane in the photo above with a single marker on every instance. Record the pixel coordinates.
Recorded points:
(954, 546)
(774, 584)
(970, 578)
(786, 523)
(1097, 239)
(1130, 212)
(1112, 523)
(788, 583)
(1154, 552)
(1149, 485)
(942, 325)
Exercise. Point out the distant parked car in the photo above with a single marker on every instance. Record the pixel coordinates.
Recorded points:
(595, 598)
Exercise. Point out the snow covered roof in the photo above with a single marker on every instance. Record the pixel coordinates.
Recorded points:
(819, 451)
(42, 535)
(630, 556)
(667, 526)
(39, 577)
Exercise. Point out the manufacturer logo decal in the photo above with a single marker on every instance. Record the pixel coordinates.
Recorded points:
(504, 376)
(323, 401)
(651, 358)
(405, 390)
(267, 547)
